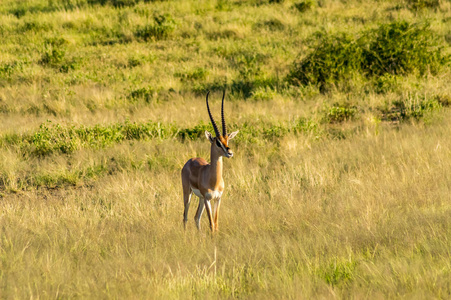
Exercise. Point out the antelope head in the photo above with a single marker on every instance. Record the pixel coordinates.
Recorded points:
(220, 143)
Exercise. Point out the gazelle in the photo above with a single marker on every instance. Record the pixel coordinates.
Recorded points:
(205, 179)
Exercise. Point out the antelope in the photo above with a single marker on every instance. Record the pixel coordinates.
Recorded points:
(205, 179)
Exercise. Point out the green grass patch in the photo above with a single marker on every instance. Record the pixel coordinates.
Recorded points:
(55, 138)
(412, 107)
(145, 94)
(340, 113)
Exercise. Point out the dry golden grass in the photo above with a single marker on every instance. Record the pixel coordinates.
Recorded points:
(352, 203)
(362, 217)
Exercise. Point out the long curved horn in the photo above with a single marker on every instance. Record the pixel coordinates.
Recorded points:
(224, 127)
(215, 127)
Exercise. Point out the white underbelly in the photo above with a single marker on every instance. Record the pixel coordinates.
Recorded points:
(213, 194)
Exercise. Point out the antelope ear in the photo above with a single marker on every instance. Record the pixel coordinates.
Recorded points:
(209, 136)
(233, 134)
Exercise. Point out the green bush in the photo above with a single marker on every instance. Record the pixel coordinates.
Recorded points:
(195, 132)
(385, 83)
(336, 58)
(398, 48)
(401, 48)
(54, 56)
(303, 6)
(50, 139)
(340, 113)
(163, 25)
(8, 69)
(145, 93)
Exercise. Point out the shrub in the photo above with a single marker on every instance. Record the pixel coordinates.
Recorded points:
(340, 113)
(50, 139)
(245, 87)
(401, 48)
(336, 58)
(195, 132)
(53, 56)
(163, 25)
(397, 48)
(145, 93)
(303, 6)
(7, 69)
(385, 83)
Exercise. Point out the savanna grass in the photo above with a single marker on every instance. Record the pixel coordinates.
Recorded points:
(340, 182)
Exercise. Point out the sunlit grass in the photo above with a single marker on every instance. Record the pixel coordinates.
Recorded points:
(340, 192)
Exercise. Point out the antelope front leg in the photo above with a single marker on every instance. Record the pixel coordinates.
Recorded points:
(210, 214)
(186, 199)
(200, 210)
(217, 205)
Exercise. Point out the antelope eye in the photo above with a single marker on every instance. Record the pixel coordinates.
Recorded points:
(218, 144)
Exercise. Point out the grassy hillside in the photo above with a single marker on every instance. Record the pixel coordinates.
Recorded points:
(339, 187)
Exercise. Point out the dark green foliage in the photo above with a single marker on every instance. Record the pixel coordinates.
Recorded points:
(423, 4)
(251, 75)
(398, 48)
(195, 132)
(385, 83)
(54, 138)
(305, 125)
(137, 60)
(7, 69)
(275, 131)
(163, 25)
(336, 58)
(145, 93)
(272, 24)
(215, 86)
(401, 48)
(444, 100)
(115, 3)
(412, 108)
(193, 75)
(35, 26)
(303, 6)
(244, 87)
(54, 56)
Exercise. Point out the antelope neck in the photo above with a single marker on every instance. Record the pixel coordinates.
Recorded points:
(215, 167)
